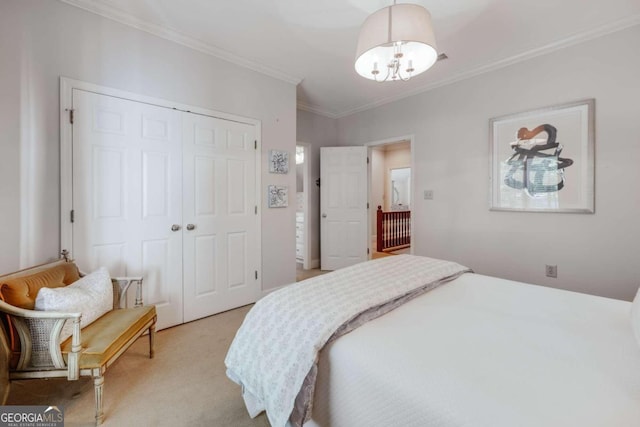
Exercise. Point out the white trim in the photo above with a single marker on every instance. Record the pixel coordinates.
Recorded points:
(71, 84)
(66, 152)
(315, 263)
(389, 141)
(258, 154)
(572, 40)
(316, 110)
(306, 208)
(114, 14)
(66, 164)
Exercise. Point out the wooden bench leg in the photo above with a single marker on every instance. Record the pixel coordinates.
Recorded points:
(98, 382)
(152, 340)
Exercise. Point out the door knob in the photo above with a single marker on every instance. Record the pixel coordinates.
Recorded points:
(175, 227)
(324, 215)
(190, 227)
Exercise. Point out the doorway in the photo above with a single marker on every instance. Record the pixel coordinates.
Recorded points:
(390, 175)
(303, 244)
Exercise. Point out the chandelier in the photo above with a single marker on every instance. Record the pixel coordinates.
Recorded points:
(396, 43)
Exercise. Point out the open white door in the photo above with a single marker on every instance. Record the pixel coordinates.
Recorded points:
(343, 206)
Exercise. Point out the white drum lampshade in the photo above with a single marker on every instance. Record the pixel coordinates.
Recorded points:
(396, 42)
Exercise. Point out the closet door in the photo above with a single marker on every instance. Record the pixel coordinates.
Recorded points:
(127, 195)
(221, 247)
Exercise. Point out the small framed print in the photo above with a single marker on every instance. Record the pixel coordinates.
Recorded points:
(543, 160)
(277, 196)
(278, 161)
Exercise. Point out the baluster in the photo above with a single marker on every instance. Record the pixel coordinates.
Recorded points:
(408, 225)
(379, 219)
(401, 228)
(409, 228)
(395, 229)
(404, 230)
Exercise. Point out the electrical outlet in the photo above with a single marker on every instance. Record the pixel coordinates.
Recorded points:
(428, 194)
(551, 271)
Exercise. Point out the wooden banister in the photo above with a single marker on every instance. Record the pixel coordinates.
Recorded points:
(393, 230)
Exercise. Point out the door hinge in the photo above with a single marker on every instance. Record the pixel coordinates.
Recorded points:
(367, 205)
(72, 215)
(367, 160)
(71, 115)
(256, 209)
(255, 144)
(368, 251)
(256, 274)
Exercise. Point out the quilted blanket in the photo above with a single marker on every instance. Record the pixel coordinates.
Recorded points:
(274, 354)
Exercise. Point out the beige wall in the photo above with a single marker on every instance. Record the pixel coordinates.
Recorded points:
(43, 40)
(596, 254)
(396, 156)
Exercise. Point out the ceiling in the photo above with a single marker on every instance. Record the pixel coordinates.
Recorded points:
(313, 43)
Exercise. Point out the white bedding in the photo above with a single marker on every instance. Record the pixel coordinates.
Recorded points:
(483, 351)
(275, 351)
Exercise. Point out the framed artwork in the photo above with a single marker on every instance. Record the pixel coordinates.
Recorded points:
(543, 160)
(278, 161)
(278, 196)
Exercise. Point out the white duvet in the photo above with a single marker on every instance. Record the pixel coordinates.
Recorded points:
(274, 354)
(482, 351)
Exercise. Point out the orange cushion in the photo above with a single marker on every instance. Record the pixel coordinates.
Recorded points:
(22, 291)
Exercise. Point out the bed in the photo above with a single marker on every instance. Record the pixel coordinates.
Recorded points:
(482, 351)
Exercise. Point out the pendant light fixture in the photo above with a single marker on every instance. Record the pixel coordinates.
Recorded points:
(396, 43)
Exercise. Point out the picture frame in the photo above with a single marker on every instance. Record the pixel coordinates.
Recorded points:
(278, 161)
(277, 196)
(543, 160)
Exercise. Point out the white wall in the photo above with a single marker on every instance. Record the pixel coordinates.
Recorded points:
(43, 40)
(596, 254)
(319, 131)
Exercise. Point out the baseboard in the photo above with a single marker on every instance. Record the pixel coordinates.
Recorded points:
(314, 263)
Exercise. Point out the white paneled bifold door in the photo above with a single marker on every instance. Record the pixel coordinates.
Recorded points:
(170, 196)
(220, 243)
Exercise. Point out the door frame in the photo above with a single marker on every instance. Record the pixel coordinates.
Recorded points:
(306, 187)
(66, 150)
(372, 210)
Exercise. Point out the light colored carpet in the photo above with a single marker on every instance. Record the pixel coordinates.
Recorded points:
(184, 385)
(307, 274)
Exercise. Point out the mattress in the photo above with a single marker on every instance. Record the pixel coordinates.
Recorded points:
(483, 351)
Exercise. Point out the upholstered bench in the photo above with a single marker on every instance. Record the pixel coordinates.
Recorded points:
(30, 340)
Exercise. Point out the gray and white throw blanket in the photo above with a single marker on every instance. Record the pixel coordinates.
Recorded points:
(274, 355)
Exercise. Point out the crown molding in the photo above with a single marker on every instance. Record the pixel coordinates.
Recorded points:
(114, 14)
(574, 39)
(316, 110)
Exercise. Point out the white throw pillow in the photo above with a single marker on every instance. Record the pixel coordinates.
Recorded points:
(635, 316)
(92, 296)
